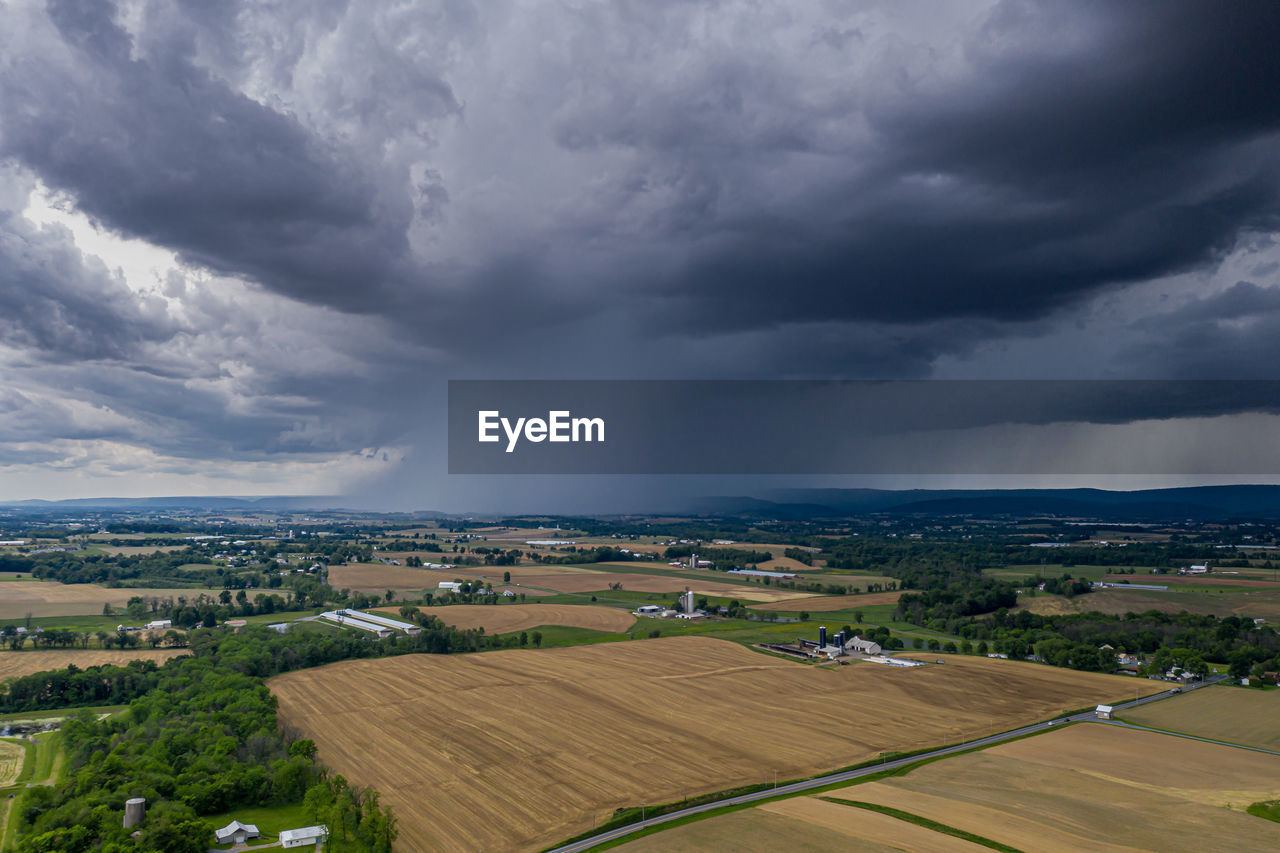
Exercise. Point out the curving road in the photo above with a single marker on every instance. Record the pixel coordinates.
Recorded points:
(849, 775)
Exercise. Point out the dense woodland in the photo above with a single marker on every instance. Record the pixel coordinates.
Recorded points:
(200, 737)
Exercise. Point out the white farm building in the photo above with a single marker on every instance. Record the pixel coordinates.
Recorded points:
(386, 622)
(861, 646)
(235, 832)
(304, 837)
(341, 618)
(375, 623)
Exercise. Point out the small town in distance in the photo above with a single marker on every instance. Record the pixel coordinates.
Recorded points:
(362, 650)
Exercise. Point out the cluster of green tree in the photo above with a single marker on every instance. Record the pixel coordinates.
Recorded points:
(1062, 585)
(834, 588)
(952, 594)
(723, 558)
(500, 557)
(1092, 640)
(202, 740)
(258, 652)
(599, 554)
(800, 555)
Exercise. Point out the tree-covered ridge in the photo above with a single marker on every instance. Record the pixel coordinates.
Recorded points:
(199, 738)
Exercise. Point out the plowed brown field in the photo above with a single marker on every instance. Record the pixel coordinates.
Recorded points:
(541, 743)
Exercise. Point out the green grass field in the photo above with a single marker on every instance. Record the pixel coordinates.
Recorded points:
(1234, 714)
(270, 820)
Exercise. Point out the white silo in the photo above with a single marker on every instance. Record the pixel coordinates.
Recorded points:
(135, 810)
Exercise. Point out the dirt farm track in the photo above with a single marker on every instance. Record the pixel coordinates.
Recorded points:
(543, 743)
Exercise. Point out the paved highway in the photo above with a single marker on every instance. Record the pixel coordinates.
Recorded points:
(849, 775)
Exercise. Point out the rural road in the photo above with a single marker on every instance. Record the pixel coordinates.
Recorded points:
(849, 775)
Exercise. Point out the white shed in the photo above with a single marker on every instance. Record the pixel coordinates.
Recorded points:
(1104, 712)
(235, 832)
(304, 837)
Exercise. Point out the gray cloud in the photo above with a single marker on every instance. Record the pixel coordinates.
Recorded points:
(371, 197)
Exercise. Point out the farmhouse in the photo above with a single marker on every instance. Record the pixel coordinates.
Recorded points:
(304, 837)
(236, 832)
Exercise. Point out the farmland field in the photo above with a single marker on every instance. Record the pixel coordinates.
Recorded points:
(1251, 603)
(1080, 788)
(47, 598)
(25, 663)
(544, 742)
(802, 824)
(11, 757)
(501, 619)
(833, 602)
(1233, 714)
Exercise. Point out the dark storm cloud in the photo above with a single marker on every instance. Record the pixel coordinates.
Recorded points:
(1232, 334)
(1063, 148)
(1084, 145)
(57, 305)
(160, 149)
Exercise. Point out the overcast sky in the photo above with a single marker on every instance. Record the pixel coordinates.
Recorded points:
(243, 245)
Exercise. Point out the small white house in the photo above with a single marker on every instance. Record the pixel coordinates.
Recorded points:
(236, 832)
(1104, 712)
(304, 837)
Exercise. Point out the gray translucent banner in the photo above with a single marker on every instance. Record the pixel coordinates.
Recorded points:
(864, 427)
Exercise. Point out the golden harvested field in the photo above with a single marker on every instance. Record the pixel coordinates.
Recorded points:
(135, 550)
(588, 581)
(502, 618)
(833, 602)
(49, 598)
(783, 827)
(13, 664)
(1233, 714)
(1244, 601)
(540, 742)
(377, 577)
(11, 757)
(1094, 787)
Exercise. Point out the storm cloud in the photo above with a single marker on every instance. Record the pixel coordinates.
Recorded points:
(362, 200)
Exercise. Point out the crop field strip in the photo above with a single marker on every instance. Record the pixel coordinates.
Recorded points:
(1233, 714)
(377, 577)
(1080, 788)
(12, 756)
(828, 603)
(518, 617)
(13, 664)
(543, 742)
(19, 597)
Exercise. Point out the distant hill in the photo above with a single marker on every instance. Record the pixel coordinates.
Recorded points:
(1198, 503)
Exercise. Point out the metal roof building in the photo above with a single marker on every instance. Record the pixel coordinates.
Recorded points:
(341, 617)
(303, 837)
(385, 621)
(236, 832)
